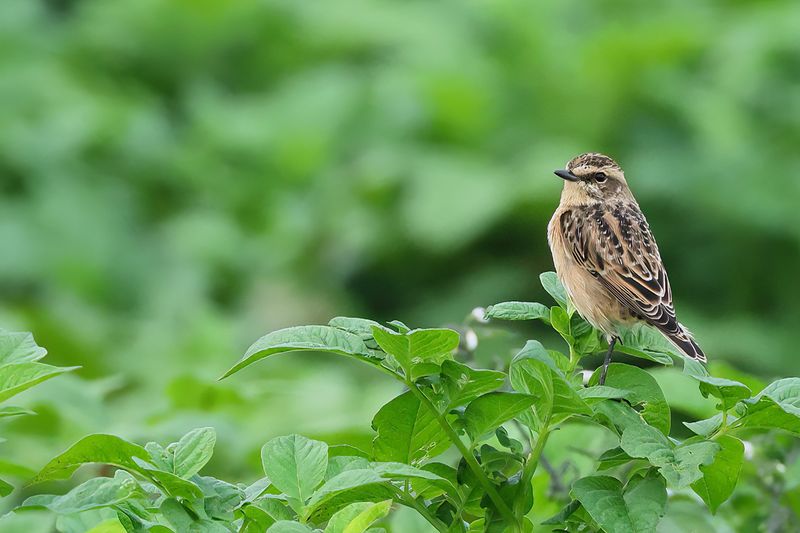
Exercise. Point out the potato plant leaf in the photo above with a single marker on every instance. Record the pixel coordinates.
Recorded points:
(720, 477)
(295, 464)
(680, 465)
(635, 509)
(306, 338)
(519, 311)
(643, 389)
(487, 412)
(17, 377)
(407, 432)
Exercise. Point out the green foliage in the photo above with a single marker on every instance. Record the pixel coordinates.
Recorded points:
(19, 371)
(461, 447)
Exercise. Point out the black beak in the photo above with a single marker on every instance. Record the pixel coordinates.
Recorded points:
(566, 174)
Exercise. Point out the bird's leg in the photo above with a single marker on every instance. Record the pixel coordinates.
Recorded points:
(607, 361)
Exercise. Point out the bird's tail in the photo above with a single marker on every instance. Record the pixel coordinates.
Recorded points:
(683, 340)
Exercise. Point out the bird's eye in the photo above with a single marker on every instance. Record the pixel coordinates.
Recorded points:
(600, 177)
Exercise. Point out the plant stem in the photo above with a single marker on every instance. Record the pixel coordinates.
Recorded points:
(530, 467)
(497, 500)
(408, 501)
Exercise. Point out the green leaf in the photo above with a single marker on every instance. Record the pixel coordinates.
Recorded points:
(172, 484)
(403, 472)
(10, 411)
(305, 338)
(357, 326)
(641, 340)
(93, 494)
(705, 427)
(487, 412)
(463, 384)
(193, 451)
(417, 346)
(19, 347)
(285, 526)
(776, 407)
(720, 477)
(519, 311)
(729, 392)
(357, 517)
(604, 392)
(680, 465)
(107, 449)
(637, 509)
(295, 465)
(6, 488)
(554, 288)
(643, 389)
(534, 372)
(346, 488)
(181, 520)
(17, 377)
(560, 321)
(408, 432)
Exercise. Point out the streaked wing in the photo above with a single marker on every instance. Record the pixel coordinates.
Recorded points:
(615, 245)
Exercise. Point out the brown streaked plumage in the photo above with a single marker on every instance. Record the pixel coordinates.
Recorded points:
(606, 256)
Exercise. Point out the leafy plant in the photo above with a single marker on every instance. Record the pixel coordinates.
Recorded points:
(460, 446)
(20, 370)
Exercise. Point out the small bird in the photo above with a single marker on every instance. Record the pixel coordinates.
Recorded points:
(606, 256)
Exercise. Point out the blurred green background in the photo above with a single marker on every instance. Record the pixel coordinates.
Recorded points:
(179, 177)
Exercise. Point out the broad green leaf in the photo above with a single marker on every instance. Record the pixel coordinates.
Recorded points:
(646, 499)
(93, 494)
(172, 484)
(342, 463)
(10, 411)
(357, 326)
(603, 392)
(680, 465)
(560, 321)
(19, 347)
(729, 392)
(554, 288)
(519, 311)
(305, 338)
(417, 346)
(720, 477)
(358, 517)
(6, 488)
(705, 427)
(613, 458)
(403, 472)
(295, 465)
(407, 432)
(221, 499)
(487, 412)
(17, 377)
(637, 509)
(107, 449)
(181, 520)
(346, 488)
(620, 415)
(534, 372)
(643, 389)
(463, 384)
(776, 407)
(641, 340)
(193, 451)
(286, 526)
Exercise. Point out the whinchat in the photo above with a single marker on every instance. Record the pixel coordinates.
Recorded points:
(606, 256)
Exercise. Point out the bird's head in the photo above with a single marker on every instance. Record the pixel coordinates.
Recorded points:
(594, 176)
